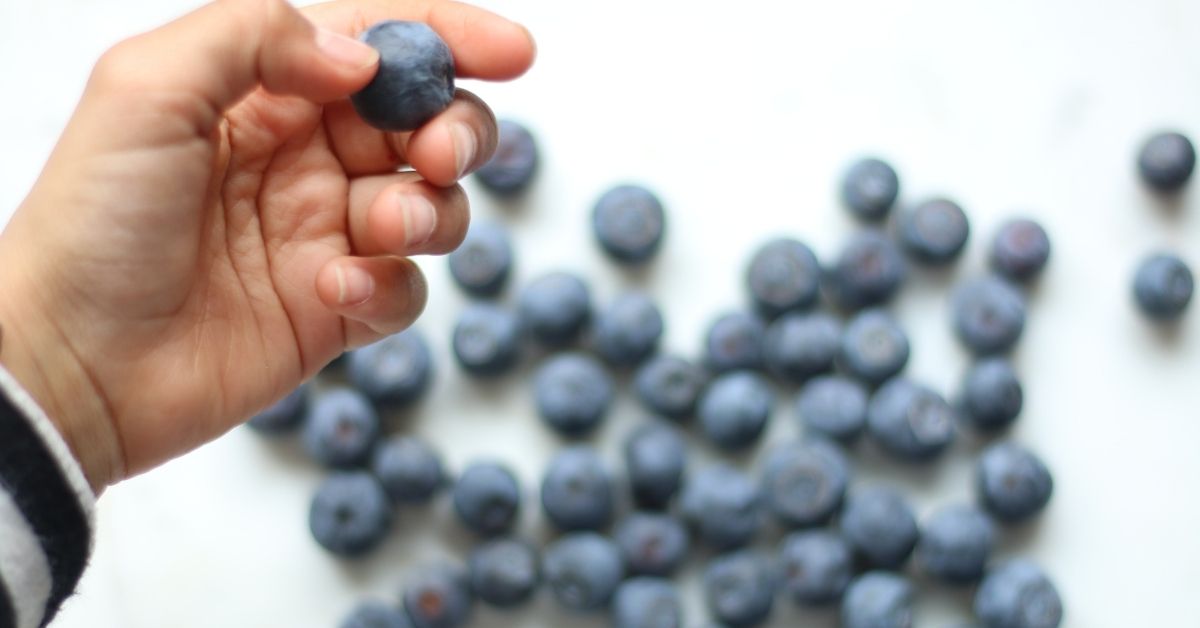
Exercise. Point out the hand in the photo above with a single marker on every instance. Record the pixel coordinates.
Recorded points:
(216, 223)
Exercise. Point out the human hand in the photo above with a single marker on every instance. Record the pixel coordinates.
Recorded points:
(216, 223)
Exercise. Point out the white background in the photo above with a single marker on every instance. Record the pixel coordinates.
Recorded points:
(742, 119)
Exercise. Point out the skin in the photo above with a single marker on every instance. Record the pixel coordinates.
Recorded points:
(214, 227)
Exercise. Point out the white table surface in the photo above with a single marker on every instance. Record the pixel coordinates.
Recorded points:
(742, 119)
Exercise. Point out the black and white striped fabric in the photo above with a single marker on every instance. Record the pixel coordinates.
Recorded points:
(45, 513)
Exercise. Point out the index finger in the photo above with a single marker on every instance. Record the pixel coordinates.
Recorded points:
(484, 45)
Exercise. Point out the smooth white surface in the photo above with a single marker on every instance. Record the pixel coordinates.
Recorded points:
(742, 116)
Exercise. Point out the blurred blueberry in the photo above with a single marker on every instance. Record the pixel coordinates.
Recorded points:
(910, 421)
(577, 490)
(646, 603)
(880, 527)
(739, 589)
(989, 315)
(878, 599)
(1166, 161)
(799, 346)
(815, 566)
(628, 222)
(504, 572)
(834, 407)
(486, 340)
(868, 271)
(991, 395)
(1020, 250)
(1017, 594)
(628, 330)
(723, 505)
(804, 482)
(955, 544)
(1014, 484)
(783, 275)
(409, 469)
(655, 456)
(934, 232)
(341, 428)
(1163, 286)
(512, 166)
(375, 614)
(652, 544)
(555, 307)
(439, 596)
(734, 341)
(284, 415)
(350, 514)
(487, 498)
(483, 262)
(735, 409)
(395, 371)
(870, 188)
(572, 392)
(582, 570)
(874, 347)
(669, 386)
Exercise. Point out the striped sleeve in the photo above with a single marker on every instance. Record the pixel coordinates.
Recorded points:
(45, 513)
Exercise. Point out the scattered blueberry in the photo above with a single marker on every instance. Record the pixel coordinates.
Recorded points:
(834, 407)
(555, 307)
(582, 570)
(1017, 594)
(1020, 250)
(487, 498)
(815, 566)
(486, 340)
(629, 221)
(910, 421)
(655, 456)
(734, 341)
(878, 599)
(870, 188)
(955, 544)
(284, 415)
(799, 346)
(577, 490)
(375, 614)
(350, 513)
(1014, 484)
(992, 396)
(341, 428)
(409, 469)
(512, 166)
(880, 527)
(989, 315)
(1166, 161)
(439, 597)
(670, 386)
(934, 232)
(874, 347)
(483, 262)
(723, 505)
(396, 370)
(868, 271)
(783, 275)
(804, 482)
(1163, 286)
(735, 409)
(572, 392)
(415, 80)
(628, 330)
(646, 603)
(504, 572)
(739, 589)
(652, 544)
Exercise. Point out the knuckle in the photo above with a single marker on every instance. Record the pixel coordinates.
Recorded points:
(119, 65)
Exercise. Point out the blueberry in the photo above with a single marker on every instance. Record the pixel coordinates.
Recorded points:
(655, 456)
(723, 506)
(735, 409)
(439, 597)
(815, 566)
(804, 482)
(869, 188)
(341, 428)
(992, 396)
(349, 514)
(1014, 484)
(1167, 161)
(415, 80)
(868, 271)
(989, 315)
(573, 393)
(739, 589)
(577, 490)
(878, 599)
(487, 498)
(910, 421)
(834, 407)
(582, 570)
(628, 330)
(652, 544)
(284, 415)
(1017, 594)
(375, 614)
(396, 370)
(874, 347)
(734, 341)
(955, 544)
(934, 232)
(799, 346)
(628, 221)
(670, 386)
(880, 527)
(483, 262)
(486, 340)
(783, 275)
(1163, 286)
(1020, 250)
(555, 307)
(409, 469)
(504, 572)
(512, 166)
(646, 603)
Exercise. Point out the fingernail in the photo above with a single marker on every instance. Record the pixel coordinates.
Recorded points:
(346, 51)
(464, 147)
(355, 285)
(420, 218)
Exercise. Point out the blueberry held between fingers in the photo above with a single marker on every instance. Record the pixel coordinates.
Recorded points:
(555, 307)
(669, 385)
(582, 570)
(735, 408)
(395, 371)
(572, 392)
(815, 566)
(652, 544)
(486, 340)
(874, 347)
(628, 330)
(1166, 161)
(798, 346)
(341, 428)
(350, 514)
(284, 415)
(783, 275)
(514, 163)
(1020, 250)
(1017, 594)
(992, 396)
(734, 341)
(910, 421)
(870, 187)
(989, 315)
(934, 232)
(868, 271)
(880, 527)
(483, 262)
(1014, 484)
(834, 407)
(487, 498)
(504, 572)
(655, 456)
(439, 596)
(415, 80)
(646, 603)
(409, 469)
(878, 599)
(739, 589)
(1163, 287)
(375, 614)
(804, 483)
(577, 490)
(723, 506)
(628, 222)
(955, 544)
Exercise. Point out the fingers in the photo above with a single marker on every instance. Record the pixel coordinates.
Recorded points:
(377, 295)
(401, 214)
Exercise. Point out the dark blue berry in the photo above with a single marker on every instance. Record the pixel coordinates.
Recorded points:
(504, 572)
(669, 386)
(486, 340)
(483, 262)
(487, 498)
(815, 566)
(734, 341)
(739, 589)
(555, 307)
(577, 490)
(396, 370)
(572, 392)
(878, 599)
(341, 428)
(284, 415)
(992, 396)
(646, 603)
(409, 469)
(1014, 484)
(868, 271)
(652, 544)
(350, 514)
(655, 456)
(1017, 594)
(870, 188)
(415, 80)
(910, 421)
(880, 527)
(1020, 250)
(783, 275)
(804, 482)
(874, 347)
(628, 330)
(628, 222)
(439, 596)
(375, 614)
(989, 315)
(934, 232)
(834, 407)
(1166, 161)
(735, 409)
(512, 166)
(799, 346)
(723, 505)
(1163, 286)
(955, 544)
(582, 570)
